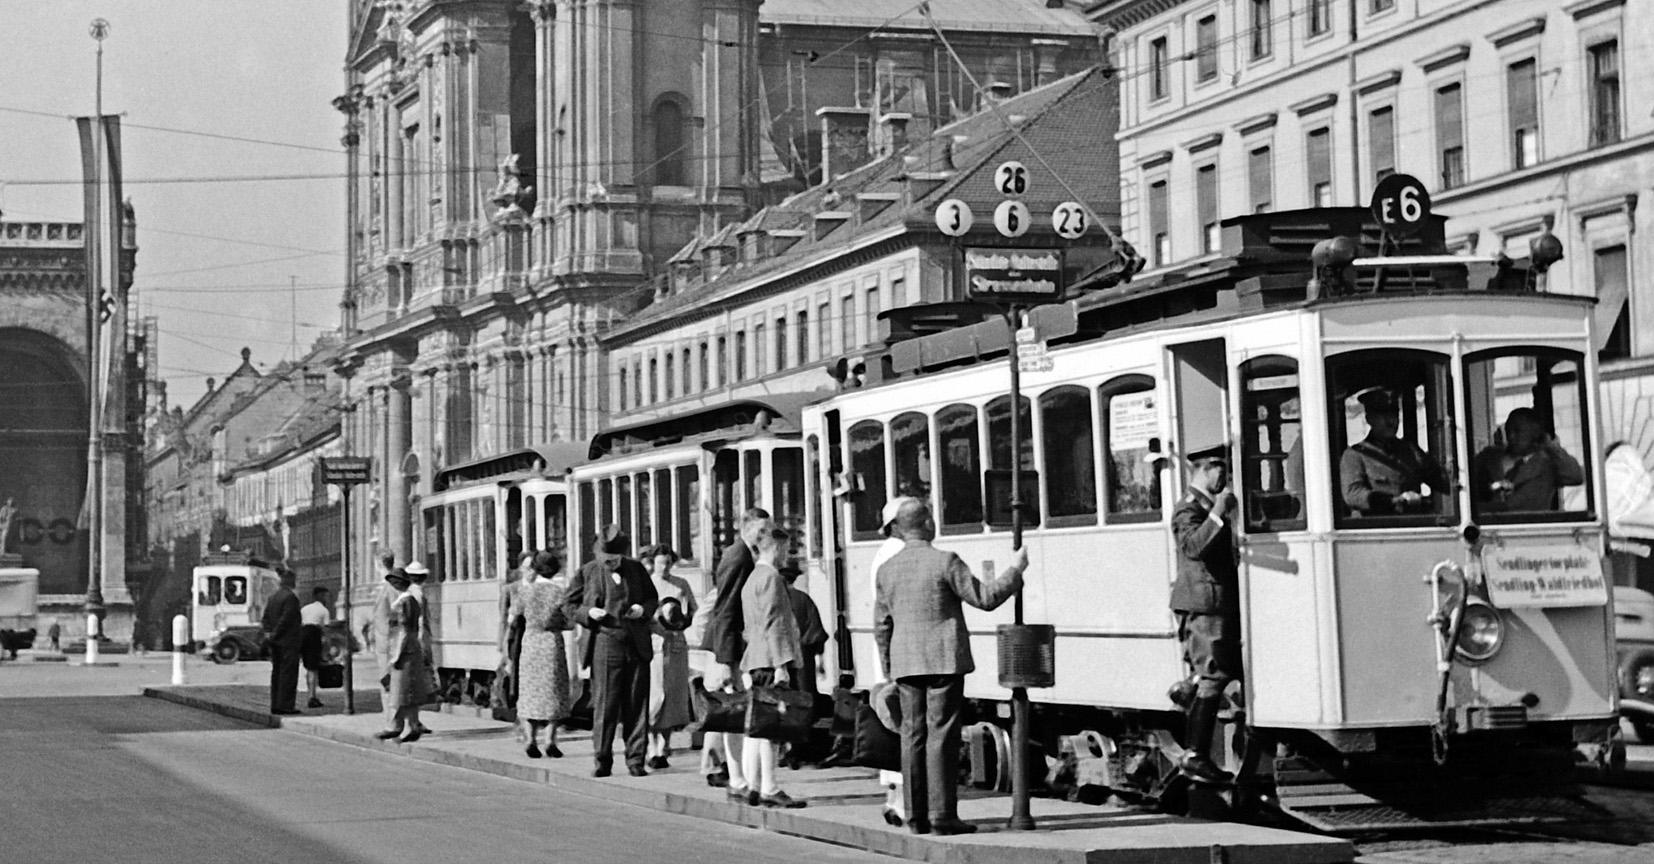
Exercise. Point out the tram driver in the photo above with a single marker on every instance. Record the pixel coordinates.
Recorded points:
(1206, 600)
(1382, 474)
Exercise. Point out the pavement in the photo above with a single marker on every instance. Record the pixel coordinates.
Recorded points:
(843, 802)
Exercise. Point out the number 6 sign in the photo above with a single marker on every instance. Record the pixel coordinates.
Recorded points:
(1401, 204)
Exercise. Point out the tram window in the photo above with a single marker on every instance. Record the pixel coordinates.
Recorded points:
(623, 504)
(557, 524)
(752, 480)
(1272, 452)
(1070, 459)
(467, 538)
(910, 443)
(235, 590)
(1131, 422)
(515, 506)
(961, 446)
(645, 511)
(999, 464)
(1390, 415)
(526, 528)
(663, 510)
(211, 587)
(450, 540)
(812, 492)
(867, 473)
(787, 493)
(605, 505)
(726, 479)
(688, 491)
(586, 513)
(1525, 414)
(434, 542)
(490, 542)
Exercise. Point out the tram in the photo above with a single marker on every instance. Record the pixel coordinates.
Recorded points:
(479, 519)
(230, 591)
(1435, 666)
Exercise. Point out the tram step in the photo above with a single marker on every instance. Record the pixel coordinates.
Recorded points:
(1330, 814)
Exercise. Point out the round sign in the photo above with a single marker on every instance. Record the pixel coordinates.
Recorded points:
(1401, 204)
(1011, 178)
(953, 216)
(1069, 220)
(1011, 218)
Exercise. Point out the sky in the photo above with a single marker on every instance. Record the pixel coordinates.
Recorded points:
(217, 257)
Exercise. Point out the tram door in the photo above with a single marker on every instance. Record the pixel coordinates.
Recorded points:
(1200, 394)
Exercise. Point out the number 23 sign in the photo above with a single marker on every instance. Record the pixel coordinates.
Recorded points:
(1401, 204)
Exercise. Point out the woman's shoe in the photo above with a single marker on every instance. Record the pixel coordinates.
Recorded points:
(892, 818)
(411, 736)
(388, 734)
(532, 750)
(552, 752)
(781, 799)
(658, 763)
(717, 781)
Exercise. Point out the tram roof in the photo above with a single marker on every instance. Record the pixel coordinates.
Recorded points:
(556, 457)
(771, 413)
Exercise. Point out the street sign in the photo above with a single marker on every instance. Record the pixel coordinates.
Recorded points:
(953, 216)
(1069, 220)
(347, 470)
(1401, 205)
(1011, 218)
(1014, 275)
(1042, 363)
(1026, 335)
(1011, 178)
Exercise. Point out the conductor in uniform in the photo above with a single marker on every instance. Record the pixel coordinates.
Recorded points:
(1382, 474)
(1205, 599)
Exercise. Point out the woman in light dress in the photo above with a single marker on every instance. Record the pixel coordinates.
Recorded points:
(669, 706)
(406, 682)
(542, 666)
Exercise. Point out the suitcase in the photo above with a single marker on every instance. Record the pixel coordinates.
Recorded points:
(330, 677)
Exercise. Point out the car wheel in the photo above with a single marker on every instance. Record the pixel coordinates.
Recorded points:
(1637, 674)
(226, 651)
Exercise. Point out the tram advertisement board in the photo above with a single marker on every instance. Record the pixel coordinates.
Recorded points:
(1029, 276)
(1562, 575)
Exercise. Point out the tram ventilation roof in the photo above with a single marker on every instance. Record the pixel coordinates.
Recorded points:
(774, 413)
(552, 459)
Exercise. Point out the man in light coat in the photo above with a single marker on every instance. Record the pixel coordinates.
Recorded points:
(924, 646)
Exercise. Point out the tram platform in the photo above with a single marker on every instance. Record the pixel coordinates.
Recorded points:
(844, 803)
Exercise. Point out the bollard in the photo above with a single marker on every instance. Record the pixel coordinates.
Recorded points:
(180, 640)
(91, 640)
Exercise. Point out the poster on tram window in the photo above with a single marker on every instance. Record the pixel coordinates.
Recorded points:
(1565, 575)
(1132, 421)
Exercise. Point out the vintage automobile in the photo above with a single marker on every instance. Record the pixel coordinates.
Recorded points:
(246, 642)
(1634, 628)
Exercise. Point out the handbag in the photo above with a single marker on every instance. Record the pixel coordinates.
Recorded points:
(716, 711)
(845, 701)
(330, 677)
(778, 714)
(874, 745)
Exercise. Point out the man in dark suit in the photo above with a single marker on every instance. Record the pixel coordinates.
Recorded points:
(724, 627)
(1205, 599)
(614, 597)
(919, 624)
(1384, 474)
(284, 634)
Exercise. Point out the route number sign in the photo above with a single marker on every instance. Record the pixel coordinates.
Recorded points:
(1011, 218)
(1401, 205)
(954, 217)
(1011, 178)
(1069, 220)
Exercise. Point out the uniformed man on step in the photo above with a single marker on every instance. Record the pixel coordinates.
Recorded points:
(1383, 474)
(1206, 599)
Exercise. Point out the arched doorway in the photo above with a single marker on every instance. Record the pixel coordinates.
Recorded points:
(43, 456)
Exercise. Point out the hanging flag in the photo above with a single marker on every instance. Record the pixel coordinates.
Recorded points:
(105, 223)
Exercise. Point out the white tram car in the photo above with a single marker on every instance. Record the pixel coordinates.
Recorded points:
(230, 592)
(479, 519)
(1437, 667)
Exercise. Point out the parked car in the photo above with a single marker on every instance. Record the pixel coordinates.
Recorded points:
(244, 642)
(1634, 628)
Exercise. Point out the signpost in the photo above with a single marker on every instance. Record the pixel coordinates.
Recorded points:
(345, 472)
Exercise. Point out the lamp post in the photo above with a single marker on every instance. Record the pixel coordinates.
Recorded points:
(95, 274)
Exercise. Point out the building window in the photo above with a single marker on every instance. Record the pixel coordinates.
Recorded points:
(688, 373)
(870, 308)
(781, 343)
(1381, 141)
(824, 330)
(637, 384)
(758, 346)
(1260, 178)
(1522, 89)
(1613, 303)
(623, 383)
(671, 376)
(1320, 16)
(847, 321)
(1318, 158)
(654, 380)
(1605, 93)
(1157, 68)
(1159, 239)
(802, 335)
(1262, 32)
(723, 360)
(1206, 206)
(898, 292)
(668, 123)
(1206, 48)
(740, 355)
(1450, 134)
(706, 367)
(1376, 6)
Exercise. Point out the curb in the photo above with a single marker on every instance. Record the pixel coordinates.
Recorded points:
(969, 850)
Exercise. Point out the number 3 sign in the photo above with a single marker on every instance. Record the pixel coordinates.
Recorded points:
(953, 216)
(1069, 220)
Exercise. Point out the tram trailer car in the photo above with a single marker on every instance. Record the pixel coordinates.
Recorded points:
(1437, 667)
(230, 591)
(479, 519)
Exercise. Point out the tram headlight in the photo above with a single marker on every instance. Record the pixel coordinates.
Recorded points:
(1481, 632)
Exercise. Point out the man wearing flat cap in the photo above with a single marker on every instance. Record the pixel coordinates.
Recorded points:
(1206, 600)
(614, 597)
(1383, 474)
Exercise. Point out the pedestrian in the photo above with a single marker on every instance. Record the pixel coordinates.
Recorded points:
(542, 667)
(314, 616)
(895, 803)
(1206, 602)
(55, 632)
(379, 622)
(669, 707)
(417, 574)
(723, 639)
(812, 641)
(772, 658)
(284, 634)
(404, 680)
(614, 598)
(508, 688)
(919, 625)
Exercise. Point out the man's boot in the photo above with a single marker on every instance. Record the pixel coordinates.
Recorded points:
(1202, 721)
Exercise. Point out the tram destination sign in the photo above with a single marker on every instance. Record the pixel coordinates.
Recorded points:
(1030, 276)
(347, 470)
(1561, 575)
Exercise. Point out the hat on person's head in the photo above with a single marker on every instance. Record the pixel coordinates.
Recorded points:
(655, 550)
(892, 509)
(546, 563)
(398, 579)
(1214, 453)
(1377, 400)
(614, 539)
(416, 572)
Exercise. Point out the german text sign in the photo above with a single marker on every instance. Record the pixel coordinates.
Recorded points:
(346, 470)
(1566, 575)
(1014, 275)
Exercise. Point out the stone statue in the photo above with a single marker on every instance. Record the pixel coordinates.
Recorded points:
(7, 514)
(509, 190)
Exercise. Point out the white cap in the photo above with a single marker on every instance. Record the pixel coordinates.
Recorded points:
(891, 508)
(415, 568)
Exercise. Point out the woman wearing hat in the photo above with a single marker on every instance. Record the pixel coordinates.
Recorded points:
(772, 658)
(406, 678)
(542, 665)
(669, 706)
